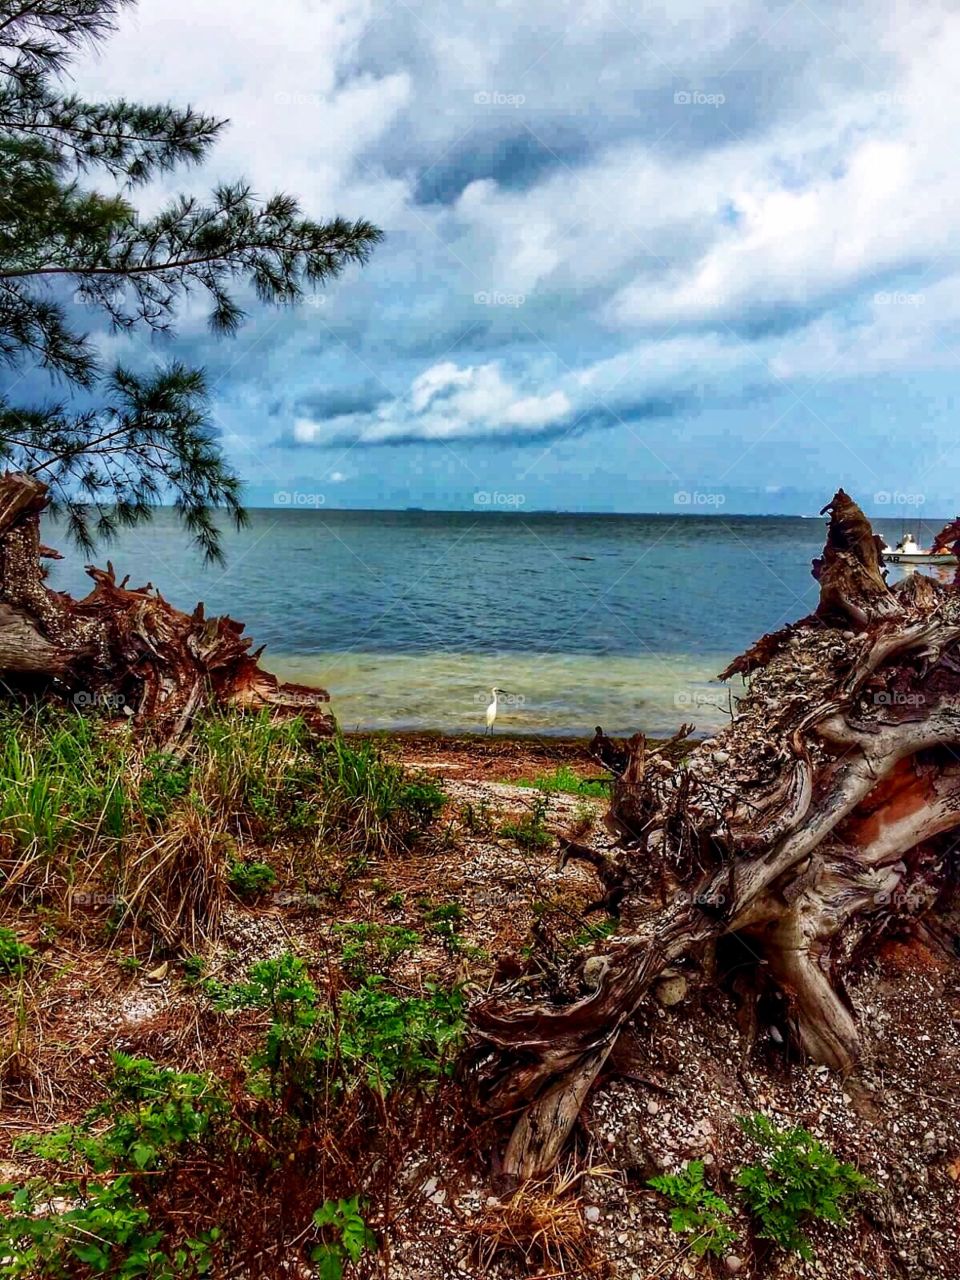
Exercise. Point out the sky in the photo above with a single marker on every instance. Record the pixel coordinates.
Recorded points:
(637, 256)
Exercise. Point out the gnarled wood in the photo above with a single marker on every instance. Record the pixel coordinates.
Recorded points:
(122, 647)
(821, 814)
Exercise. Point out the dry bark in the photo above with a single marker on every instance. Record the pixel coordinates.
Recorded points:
(122, 648)
(827, 809)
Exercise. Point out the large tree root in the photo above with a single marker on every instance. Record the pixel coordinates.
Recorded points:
(822, 813)
(120, 648)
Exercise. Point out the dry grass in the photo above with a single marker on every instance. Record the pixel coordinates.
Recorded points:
(91, 814)
(175, 883)
(20, 1069)
(542, 1225)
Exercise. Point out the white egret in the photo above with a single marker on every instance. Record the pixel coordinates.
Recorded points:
(492, 709)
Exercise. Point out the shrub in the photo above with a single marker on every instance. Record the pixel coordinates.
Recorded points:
(372, 1037)
(107, 1229)
(152, 1111)
(696, 1209)
(797, 1179)
(349, 1237)
(288, 1055)
(248, 879)
(530, 833)
(388, 1041)
(15, 956)
(369, 946)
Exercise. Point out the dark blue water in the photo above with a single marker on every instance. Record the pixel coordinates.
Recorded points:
(409, 616)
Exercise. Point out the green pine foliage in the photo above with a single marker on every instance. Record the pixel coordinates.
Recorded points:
(66, 247)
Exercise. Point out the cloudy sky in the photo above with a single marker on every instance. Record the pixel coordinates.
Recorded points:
(633, 250)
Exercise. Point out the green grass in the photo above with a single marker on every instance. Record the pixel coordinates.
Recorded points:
(370, 800)
(88, 808)
(566, 780)
(529, 833)
(62, 792)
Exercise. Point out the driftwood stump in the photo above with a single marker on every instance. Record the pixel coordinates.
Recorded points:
(121, 648)
(825, 811)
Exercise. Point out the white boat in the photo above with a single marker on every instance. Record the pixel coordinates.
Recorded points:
(909, 551)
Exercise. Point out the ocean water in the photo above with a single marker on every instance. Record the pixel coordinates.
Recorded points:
(409, 618)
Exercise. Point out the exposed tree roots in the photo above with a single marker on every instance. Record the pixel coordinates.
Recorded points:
(121, 647)
(826, 810)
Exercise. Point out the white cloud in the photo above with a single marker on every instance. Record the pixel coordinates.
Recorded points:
(445, 402)
(673, 251)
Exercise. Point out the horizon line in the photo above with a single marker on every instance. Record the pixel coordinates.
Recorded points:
(705, 513)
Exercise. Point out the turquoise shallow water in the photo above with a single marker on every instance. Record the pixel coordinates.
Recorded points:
(550, 693)
(408, 618)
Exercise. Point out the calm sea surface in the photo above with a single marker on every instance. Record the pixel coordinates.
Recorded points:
(408, 618)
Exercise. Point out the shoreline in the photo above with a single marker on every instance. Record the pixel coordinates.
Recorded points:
(503, 757)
